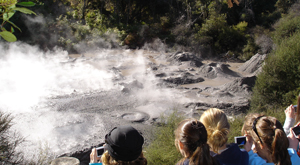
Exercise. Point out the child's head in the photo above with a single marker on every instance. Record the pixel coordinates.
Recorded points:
(123, 145)
(270, 140)
(191, 141)
(217, 126)
(247, 127)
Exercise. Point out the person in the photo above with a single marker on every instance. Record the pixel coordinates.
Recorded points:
(248, 124)
(123, 146)
(292, 116)
(271, 143)
(191, 141)
(218, 128)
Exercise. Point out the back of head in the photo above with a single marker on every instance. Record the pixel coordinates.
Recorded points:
(192, 134)
(124, 144)
(273, 137)
(217, 126)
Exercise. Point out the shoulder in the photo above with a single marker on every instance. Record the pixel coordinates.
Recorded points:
(294, 156)
(186, 162)
(254, 159)
(234, 148)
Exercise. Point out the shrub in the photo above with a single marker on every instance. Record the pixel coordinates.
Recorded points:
(9, 140)
(286, 27)
(279, 81)
(249, 50)
(162, 149)
(216, 33)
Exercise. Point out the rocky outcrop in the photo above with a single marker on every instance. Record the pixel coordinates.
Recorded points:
(254, 64)
(186, 57)
(214, 70)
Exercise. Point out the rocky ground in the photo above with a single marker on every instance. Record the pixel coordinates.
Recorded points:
(152, 84)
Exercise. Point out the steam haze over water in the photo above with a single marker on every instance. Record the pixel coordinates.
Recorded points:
(64, 103)
(61, 103)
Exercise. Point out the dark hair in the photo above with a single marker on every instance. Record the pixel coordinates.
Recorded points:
(192, 134)
(270, 131)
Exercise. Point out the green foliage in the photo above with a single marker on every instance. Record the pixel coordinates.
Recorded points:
(283, 5)
(9, 140)
(241, 27)
(7, 10)
(249, 50)
(162, 149)
(236, 124)
(286, 27)
(279, 81)
(216, 33)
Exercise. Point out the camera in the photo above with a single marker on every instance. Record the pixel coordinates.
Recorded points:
(240, 140)
(100, 151)
(295, 107)
(296, 130)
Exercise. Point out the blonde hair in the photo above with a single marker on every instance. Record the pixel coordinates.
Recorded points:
(109, 160)
(217, 126)
(248, 122)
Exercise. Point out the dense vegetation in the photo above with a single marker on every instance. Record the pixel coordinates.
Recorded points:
(206, 27)
(279, 83)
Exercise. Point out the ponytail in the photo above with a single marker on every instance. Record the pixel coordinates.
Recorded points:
(201, 156)
(280, 155)
(269, 131)
(193, 135)
(218, 138)
(217, 125)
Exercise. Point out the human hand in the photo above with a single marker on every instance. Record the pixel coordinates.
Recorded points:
(290, 112)
(249, 142)
(93, 156)
(293, 141)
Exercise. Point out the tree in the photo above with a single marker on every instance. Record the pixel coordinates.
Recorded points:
(7, 10)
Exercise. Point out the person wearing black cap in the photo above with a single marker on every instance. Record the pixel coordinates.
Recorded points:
(123, 146)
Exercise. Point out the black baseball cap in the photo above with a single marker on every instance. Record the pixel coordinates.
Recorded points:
(124, 143)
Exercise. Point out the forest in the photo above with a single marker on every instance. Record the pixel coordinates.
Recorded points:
(209, 28)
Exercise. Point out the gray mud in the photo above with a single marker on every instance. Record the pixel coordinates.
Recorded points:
(101, 90)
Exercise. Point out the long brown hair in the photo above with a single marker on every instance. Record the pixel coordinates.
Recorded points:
(298, 110)
(192, 134)
(270, 132)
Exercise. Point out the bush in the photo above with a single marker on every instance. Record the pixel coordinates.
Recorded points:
(9, 140)
(222, 38)
(279, 81)
(286, 27)
(162, 149)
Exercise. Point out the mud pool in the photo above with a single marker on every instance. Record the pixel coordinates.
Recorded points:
(67, 102)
